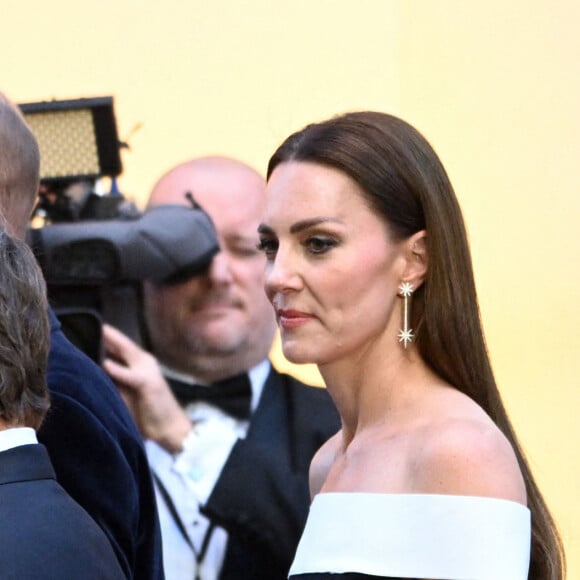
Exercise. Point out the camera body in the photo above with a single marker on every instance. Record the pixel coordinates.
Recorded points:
(94, 269)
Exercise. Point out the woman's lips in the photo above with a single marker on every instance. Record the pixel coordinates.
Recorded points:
(289, 319)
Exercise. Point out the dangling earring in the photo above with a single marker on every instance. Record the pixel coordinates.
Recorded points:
(406, 334)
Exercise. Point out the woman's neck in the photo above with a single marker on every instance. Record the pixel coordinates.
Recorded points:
(374, 388)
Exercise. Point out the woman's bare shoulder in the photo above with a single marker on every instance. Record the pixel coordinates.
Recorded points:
(466, 456)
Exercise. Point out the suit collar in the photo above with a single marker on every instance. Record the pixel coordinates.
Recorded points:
(25, 463)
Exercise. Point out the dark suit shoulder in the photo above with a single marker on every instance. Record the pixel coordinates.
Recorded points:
(99, 457)
(44, 532)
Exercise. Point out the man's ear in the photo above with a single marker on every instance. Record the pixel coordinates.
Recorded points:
(417, 259)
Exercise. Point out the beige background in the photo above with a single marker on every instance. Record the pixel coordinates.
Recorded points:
(494, 85)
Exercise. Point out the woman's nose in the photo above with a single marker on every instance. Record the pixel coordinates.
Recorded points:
(282, 275)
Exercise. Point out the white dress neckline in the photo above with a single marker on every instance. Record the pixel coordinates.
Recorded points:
(416, 536)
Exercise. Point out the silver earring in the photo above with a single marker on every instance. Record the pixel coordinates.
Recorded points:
(406, 334)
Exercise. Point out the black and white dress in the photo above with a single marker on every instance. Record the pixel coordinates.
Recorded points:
(352, 536)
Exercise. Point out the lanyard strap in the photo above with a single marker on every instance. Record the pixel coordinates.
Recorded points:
(199, 556)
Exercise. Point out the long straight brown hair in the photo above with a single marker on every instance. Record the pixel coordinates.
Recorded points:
(405, 182)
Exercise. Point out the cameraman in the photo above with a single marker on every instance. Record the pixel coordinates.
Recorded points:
(94, 445)
(232, 483)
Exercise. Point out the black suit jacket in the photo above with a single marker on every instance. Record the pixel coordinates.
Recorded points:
(262, 496)
(345, 576)
(99, 457)
(44, 534)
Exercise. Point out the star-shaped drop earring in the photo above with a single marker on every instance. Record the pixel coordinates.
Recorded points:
(406, 334)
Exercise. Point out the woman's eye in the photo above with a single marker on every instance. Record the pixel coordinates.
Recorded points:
(268, 247)
(320, 245)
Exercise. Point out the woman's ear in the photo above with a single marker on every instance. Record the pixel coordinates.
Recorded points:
(417, 259)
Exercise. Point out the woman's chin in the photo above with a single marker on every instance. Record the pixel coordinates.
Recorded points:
(297, 355)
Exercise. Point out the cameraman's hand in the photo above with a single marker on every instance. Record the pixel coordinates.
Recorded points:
(145, 391)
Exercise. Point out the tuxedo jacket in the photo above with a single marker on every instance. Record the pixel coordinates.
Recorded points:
(262, 495)
(99, 457)
(44, 534)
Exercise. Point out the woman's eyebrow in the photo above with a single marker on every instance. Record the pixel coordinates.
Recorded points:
(300, 226)
(311, 222)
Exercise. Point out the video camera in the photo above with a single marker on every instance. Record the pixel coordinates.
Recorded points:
(96, 250)
(94, 269)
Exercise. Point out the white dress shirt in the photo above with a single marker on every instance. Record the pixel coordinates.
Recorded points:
(17, 436)
(189, 478)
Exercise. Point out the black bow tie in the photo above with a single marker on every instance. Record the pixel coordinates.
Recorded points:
(233, 396)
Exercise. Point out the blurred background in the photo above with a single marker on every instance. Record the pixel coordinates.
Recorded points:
(495, 87)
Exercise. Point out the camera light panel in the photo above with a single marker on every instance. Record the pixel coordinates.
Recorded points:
(67, 143)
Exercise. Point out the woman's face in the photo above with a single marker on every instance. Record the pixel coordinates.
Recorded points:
(332, 270)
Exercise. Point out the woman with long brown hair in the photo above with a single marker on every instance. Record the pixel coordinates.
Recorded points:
(369, 272)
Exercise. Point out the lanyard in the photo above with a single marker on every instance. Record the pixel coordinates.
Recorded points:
(198, 555)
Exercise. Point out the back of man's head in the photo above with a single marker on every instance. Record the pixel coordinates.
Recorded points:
(19, 168)
(24, 336)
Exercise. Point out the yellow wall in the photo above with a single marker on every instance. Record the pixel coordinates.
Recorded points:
(494, 85)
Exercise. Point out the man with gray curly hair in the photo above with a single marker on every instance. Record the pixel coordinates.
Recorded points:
(37, 517)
